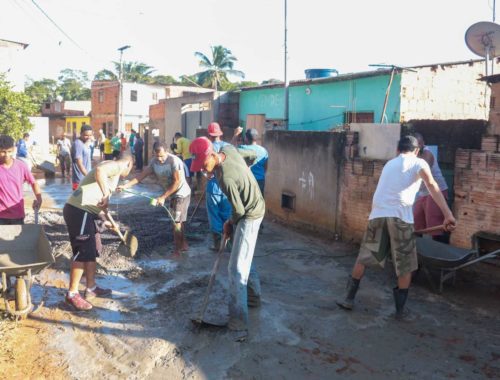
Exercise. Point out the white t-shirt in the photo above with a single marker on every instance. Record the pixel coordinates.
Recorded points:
(165, 174)
(397, 188)
(65, 146)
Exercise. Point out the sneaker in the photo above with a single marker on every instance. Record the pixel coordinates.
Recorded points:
(97, 292)
(78, 302)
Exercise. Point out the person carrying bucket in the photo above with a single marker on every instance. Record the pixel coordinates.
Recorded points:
(169, 170)
(85, 217)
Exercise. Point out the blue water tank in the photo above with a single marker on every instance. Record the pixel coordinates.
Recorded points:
(320, 73)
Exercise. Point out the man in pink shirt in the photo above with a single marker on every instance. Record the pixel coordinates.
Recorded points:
(13, 173)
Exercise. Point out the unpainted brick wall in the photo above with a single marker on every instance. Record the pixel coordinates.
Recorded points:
(477, 191)
(358, 185)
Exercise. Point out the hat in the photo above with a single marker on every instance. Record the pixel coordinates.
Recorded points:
(214, 129)
(200, 148)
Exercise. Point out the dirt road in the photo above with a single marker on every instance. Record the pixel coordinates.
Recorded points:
(144, 329)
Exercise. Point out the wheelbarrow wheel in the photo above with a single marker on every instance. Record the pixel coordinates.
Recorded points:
(21, 295)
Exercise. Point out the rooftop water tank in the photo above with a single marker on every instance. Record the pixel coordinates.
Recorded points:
(320, 73)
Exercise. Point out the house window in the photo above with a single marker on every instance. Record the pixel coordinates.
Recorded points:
(100, 96)
(155, 96)
(133, 95)
(47, 106)
(358, 117)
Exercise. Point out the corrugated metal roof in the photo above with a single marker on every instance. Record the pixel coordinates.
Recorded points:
(363, 74)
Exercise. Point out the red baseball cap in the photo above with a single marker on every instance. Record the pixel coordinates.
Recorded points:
(214, 129)
(200, 148)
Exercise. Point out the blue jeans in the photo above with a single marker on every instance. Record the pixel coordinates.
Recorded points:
(219, 210)
(242, 272)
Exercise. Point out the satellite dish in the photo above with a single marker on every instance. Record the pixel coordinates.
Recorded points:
(483, 36)
(483, 39)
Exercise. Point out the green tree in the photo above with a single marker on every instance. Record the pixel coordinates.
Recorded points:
(217, 68)
(137, 72)
(15, 107)
(164, 80)
(41, 91)
(73, 85)
(105, 74)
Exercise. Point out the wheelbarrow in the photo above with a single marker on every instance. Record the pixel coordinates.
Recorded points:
(434, 255)
(24, 252)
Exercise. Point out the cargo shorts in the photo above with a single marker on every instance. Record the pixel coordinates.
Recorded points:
(384, 235)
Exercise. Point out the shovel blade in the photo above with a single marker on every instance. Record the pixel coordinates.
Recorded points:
(129, 246)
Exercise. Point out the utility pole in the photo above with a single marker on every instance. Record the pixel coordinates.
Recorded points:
(120, 80)
(285, 116)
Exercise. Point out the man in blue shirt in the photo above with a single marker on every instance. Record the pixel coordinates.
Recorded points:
(80, 156)
(218, 206)
(259, 166)
(22, 148)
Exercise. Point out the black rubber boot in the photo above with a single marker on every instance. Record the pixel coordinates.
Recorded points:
(253, 300)
(216, 238)
(352, 288)
(400, 297)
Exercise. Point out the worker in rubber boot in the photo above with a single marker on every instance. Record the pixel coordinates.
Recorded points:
(169, 171)
(390, 223)
(238, 183)
(85, 218)
(218, 206)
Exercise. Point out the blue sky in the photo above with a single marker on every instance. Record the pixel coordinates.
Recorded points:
(347, 35)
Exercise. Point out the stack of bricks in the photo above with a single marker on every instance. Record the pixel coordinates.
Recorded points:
(358, 186)
(477, 191)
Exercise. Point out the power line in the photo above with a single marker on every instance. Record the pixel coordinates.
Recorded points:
(57, 26)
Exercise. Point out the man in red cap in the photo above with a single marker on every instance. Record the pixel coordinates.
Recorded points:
(218, 206)
(238, 183)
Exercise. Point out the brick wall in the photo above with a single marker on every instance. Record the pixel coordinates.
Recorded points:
(157, 111)
(477, 191)
(358, 185)
(105, 110)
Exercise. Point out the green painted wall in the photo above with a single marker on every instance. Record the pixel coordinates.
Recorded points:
(314, 111)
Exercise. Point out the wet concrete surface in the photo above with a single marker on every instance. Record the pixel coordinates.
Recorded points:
(144, 329)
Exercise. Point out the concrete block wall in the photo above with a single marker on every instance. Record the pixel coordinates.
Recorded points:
(477, 192)
(445, 92)
(304, 168)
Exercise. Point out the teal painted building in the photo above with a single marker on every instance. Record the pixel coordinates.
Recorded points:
(326, 103)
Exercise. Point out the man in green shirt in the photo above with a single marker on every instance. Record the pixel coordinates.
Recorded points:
(238, 183)
(85, 219)
(116, 142)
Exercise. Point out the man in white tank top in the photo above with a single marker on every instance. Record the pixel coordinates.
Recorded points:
(390, 224)
(426, 212)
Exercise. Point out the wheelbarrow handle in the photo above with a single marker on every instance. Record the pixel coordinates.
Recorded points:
(429, 230)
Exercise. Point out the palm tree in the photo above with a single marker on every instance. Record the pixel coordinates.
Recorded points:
(132, 72)
(217, 68)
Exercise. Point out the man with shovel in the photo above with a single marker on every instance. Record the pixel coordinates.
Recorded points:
(85, 215)
(391, 223)
(169, 170)
(238, 183)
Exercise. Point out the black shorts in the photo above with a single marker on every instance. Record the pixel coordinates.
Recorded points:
(116, 153)
(84, 233)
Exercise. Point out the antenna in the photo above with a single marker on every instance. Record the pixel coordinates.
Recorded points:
(483, 39)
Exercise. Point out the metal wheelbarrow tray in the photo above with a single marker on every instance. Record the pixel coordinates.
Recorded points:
(24, 251)
(446, 259)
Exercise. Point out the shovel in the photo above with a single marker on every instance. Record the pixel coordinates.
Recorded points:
(199, 322)
(128, 246)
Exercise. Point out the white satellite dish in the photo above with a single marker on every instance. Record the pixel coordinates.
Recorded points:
(483, 39)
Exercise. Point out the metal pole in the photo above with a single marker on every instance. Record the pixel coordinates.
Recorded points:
(121, 93)
(286, 99)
